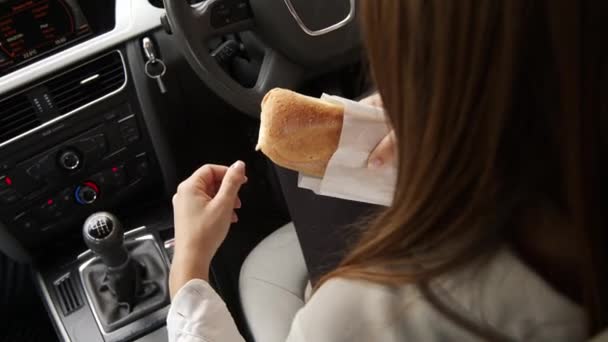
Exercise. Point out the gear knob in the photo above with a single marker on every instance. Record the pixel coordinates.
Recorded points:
(104, 235)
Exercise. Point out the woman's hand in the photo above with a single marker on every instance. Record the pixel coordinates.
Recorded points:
(203, 209)
(384, 153)
(373, 100)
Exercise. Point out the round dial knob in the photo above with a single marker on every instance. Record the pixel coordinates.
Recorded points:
(86, 193)
(69, 160)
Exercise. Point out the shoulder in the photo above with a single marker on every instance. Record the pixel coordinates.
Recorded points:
(508, 296)
(353, 310)
(503, 295)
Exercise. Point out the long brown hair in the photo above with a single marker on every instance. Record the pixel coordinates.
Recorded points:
(497, 105)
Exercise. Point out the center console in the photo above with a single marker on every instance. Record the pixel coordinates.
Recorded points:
(79, 136)
(73, 144)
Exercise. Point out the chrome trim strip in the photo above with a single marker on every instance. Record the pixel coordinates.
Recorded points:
(86, 294)
(135, 231)
(84, 254)
(89, 79)
(315, 33)
(64, 116)
(126, 118)
(53, 310)
(170, 243)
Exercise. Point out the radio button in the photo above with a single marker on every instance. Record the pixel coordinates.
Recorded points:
(117, 175)
(6, 182)
(129, 130)
(9, 196)
(143, 168)
(93, 147)
(41, 168)
(51, 209)
(25, 221)
(66, 197)
(100, 143)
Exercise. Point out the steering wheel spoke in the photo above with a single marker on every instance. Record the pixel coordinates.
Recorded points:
(277, 71)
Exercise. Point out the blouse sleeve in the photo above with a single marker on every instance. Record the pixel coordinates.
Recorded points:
(198, 314)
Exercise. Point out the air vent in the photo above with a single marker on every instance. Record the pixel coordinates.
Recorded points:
(67, 294)
(17, 115)
(87, 83)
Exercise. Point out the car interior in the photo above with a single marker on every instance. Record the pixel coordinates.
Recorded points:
(105, 107)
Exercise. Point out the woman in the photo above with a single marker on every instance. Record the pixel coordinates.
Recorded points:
(498, 227)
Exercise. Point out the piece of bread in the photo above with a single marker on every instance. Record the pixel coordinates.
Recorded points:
(299, 132)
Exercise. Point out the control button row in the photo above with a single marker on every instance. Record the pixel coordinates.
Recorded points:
(49, 210)
(70, 158)
(8, 194)
(129, 130)
(227, 12)
(116, 176)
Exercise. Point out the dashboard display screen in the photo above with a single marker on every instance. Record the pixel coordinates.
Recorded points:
(32, 28)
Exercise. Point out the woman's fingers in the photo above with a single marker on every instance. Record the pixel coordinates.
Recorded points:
(373, 100)
(238, 204)
(207, 179)
(231, 184)
(384, 153)
(235, 218)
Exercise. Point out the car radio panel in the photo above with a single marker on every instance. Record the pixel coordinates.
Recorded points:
(42, 193)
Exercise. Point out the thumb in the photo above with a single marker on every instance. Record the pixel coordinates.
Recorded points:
(232, 182)
(384, 153)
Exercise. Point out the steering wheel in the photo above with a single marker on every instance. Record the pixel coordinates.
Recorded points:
(301, 38)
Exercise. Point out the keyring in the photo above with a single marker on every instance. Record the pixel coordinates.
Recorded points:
(152, 61)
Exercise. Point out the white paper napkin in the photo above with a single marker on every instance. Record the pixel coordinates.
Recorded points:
(347, 175)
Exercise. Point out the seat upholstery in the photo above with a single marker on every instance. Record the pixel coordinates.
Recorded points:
(272, 285)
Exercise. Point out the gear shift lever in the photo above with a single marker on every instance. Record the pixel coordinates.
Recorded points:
(104, 235)
(126, 280)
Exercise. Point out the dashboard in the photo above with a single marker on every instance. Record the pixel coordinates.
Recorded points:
(82, 130)
(73, 137)
(110, 22)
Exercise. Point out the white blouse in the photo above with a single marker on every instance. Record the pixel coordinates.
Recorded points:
(504, 295)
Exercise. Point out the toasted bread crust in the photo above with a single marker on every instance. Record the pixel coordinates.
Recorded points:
(299, 132)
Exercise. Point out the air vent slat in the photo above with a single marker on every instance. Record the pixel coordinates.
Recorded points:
(13, 132)
(8, 129)
(16, 115)
(67, 294)
(78, 99)
(7, 125)
(67, 305)
(60, 86)
(69, 93)
(69, 289)
(16, 106)
(114, 81)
